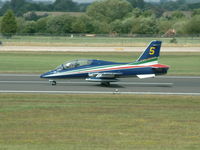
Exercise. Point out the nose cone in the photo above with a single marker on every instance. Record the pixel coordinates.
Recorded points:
(49, 74)
(43, 75)
(46, 74)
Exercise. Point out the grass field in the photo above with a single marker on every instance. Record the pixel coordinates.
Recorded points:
(114, 122)
(95, 41)
(38, 62)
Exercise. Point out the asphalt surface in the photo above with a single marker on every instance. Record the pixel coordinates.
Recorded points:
(169, 85)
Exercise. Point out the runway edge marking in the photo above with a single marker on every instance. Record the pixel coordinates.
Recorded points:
(87, 92)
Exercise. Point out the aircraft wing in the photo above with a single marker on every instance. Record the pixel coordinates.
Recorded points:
(103, 76)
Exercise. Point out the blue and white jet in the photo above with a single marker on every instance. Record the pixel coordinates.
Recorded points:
(146, 66)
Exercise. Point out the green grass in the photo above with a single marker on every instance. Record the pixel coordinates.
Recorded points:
(95, 41)
(60, 122)
(38, 62)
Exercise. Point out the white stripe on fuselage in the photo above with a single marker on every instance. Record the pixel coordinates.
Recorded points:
(95, 69)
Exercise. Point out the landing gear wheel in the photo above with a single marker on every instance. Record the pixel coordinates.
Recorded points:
(105, 84)
(52, 82)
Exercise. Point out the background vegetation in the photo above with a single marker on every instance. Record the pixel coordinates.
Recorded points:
(112, 17)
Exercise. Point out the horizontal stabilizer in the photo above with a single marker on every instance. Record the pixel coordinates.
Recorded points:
(143, 76)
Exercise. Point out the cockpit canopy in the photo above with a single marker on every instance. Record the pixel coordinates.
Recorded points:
(74, 64)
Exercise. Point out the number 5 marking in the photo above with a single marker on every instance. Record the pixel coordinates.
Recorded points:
(152, 50)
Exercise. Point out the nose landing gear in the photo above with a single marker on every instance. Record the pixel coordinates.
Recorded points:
(52, 82)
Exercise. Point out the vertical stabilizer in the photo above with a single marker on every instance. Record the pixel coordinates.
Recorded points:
(152, 51)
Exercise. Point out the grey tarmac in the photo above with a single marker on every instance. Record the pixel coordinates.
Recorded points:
(168, 85)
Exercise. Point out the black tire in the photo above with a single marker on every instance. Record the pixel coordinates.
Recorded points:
(53, 83)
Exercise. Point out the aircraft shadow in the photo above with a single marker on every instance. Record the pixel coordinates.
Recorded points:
(116, 85)
(111, 86)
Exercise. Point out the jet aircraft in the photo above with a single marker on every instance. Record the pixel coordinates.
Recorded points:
(146, 66)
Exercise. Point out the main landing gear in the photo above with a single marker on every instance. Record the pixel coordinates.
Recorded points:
(52, 82)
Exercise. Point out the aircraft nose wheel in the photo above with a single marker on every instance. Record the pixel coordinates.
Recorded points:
(52, 82)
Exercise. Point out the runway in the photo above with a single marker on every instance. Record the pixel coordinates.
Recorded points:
(168, 85)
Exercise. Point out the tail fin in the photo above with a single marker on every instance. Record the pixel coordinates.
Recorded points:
(152, 51)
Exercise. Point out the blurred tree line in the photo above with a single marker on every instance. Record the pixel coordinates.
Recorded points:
(20, 7)
(105, 17)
